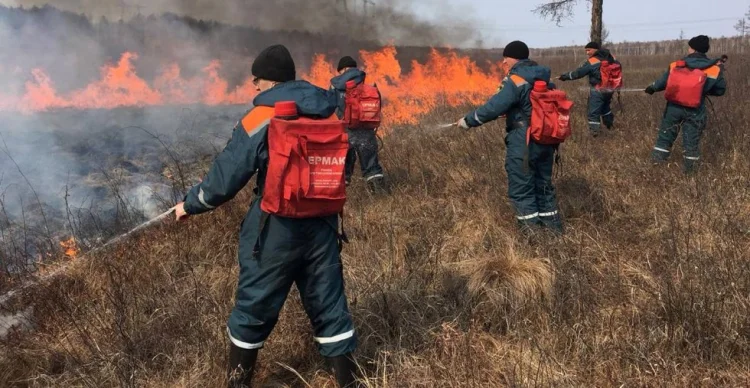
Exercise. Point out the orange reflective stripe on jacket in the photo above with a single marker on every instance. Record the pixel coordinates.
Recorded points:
(257, 118)
(711, 72)
(517, 80)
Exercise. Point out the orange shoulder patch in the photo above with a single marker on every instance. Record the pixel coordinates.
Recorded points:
(333, 117)
(713, 71)
(256, 118)
(517, 80)
(594, 61)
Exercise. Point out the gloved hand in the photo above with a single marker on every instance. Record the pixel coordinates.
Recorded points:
(650, 89)
(564, 77)
(462, 123)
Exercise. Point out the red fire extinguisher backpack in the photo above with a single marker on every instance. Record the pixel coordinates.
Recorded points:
(685, 85)
(305, 175)
(363, 106)
(611, 76)
(550, 115)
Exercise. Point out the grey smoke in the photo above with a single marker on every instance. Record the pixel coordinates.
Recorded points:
(381, 20)
(71, 149)
(106, 160)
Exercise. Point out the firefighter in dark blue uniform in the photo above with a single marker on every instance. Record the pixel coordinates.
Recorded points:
(529, 166)
(690, 120)
(600, 101)
(362, 142)
(304, 252)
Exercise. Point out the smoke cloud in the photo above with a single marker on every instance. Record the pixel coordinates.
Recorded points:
(70, 40)
(383, 21)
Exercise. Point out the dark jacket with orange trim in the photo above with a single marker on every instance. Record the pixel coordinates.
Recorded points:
(338, 86)
(247, 151)
(715, 85)
(591, 68)
(514, 97)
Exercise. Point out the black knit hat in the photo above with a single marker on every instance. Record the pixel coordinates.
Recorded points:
(345, 62)
(275, 63)
(593, 45)
(700, 44)
(516, 50)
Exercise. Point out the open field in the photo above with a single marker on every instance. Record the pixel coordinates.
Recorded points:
(650, 286)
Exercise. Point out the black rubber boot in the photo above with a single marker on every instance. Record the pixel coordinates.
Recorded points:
(241, 366)
(345, 370)
(378, 186)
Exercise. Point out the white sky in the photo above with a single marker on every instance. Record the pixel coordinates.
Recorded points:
(501, 21)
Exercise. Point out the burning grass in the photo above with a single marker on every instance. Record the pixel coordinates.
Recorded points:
(649, 287)
(444, 78)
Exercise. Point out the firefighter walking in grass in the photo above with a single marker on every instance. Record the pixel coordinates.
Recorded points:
(291, 232)
(686, 83)
(605, 77)
(537, 121)
(355, 100)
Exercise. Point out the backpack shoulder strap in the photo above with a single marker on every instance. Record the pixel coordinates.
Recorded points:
(594, 60)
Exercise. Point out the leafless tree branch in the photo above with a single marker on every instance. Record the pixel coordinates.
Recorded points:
(557, 10)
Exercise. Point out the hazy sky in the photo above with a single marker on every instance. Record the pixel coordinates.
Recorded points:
(501, 21)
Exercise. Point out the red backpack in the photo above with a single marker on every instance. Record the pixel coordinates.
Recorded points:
(685, 85)
(550, 115)
(305, 175)
(363, 106)
(611, 76)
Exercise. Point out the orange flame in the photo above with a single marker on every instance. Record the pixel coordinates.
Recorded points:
(444, 79)
(70, 247)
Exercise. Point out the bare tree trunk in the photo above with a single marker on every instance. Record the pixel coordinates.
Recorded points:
(596, 20)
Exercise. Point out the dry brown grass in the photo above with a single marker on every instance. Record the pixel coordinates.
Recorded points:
(649, 287)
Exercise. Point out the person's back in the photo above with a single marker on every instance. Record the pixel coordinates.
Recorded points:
(600, 56)
(338, 83)
(523, 76)
(686, 108)
(363, 142)
(714, 81)
(278, 251)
